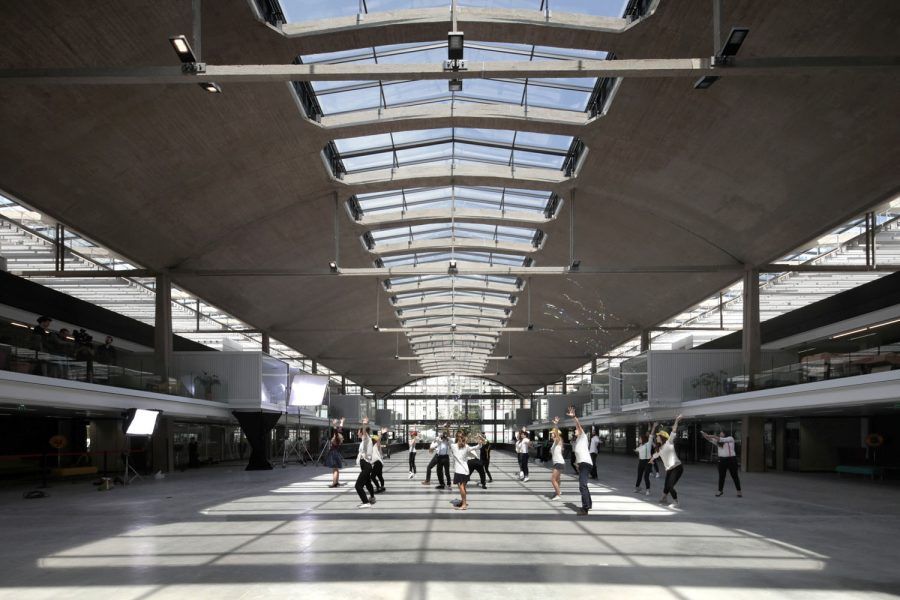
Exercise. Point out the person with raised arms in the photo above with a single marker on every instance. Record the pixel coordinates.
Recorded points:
(674, 469)
(364, 460)
(556, 457)
(583, 459)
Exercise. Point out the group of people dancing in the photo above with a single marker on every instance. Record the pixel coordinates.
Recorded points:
(656, 444)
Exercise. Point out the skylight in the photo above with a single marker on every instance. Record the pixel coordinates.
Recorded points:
(491, 202)
(451, 146)
(453, 234)
(305, 10)
(487, 258)
(321, 98)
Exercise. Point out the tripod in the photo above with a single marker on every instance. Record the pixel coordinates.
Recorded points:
(126, 478)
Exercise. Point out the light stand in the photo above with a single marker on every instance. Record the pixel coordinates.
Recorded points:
(327, 443)
(126, 478)
(137, 422)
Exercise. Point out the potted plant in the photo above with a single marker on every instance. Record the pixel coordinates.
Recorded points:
(205, 383)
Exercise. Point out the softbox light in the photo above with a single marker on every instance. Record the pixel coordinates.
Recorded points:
(140, 421)
(308, 390)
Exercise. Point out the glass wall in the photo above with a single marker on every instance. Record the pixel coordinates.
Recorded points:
(482, 405)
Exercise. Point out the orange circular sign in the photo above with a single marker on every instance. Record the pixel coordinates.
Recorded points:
(874, 440)
(58, 441)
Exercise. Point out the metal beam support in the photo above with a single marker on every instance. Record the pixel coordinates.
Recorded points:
(197, 46)
(572, 229)
(265, 343)
(162, 327)
(90, 274)
(337, 230)
(778, 268)
(652, 67)
(465, 269)
(717, 26)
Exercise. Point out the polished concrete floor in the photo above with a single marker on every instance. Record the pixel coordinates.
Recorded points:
(225, 533)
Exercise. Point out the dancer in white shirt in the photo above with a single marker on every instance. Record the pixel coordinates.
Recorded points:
(594, 450)
(674, 469)
(556, 457)
(364, 460)
(583, 458)
(522, 447)
(461, 453)
(644, 452)
(727, 460)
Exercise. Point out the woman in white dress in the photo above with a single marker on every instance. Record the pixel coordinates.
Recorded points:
(556, 456)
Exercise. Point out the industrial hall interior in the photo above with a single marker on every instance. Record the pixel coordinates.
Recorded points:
(284, 284)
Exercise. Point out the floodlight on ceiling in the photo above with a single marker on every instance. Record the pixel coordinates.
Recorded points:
(456, 85)
(705, 81)
(211, 87)
(455, 45)
(452, 268)
(183, 49)
(734, 41)
(576, 264)
(332, 266)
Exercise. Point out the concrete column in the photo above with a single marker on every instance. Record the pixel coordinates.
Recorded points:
(645, 340)
(162, 327)
(163, 449)
(779, 444)
(751, 335)
(256, 427)
(753, 452)
(630, 439)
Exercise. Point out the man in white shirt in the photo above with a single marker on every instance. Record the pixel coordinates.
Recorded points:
(727, 460)
(583, 458)
(595, 444)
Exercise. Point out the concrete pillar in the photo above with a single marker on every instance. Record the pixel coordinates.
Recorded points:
(779, 444)
(630, 439)
(645, 340)
(163, 448)
(256, 427)
(162, 332)
(751, 336)
(753, 453)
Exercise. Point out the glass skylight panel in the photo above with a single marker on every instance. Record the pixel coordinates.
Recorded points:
(460, 230)
(461, 145)
(308, 10)
(413, 199)
(336, 97)
(488, 258)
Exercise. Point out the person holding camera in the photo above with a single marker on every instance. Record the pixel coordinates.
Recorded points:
(84, 350)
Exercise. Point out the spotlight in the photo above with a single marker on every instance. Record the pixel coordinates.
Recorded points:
(734, 41)
(212, 88)
(183, 49)
(376, 327)
(575, 265)
(455, 43)
(452, 270)
(530, 326)
(456, 85)
(705, 81)
(333, 267)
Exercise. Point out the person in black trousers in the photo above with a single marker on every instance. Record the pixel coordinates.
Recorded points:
(413, 438)
(364, 459)
(443, 465)
(432, 463)
(727, 460)
(486, 459)
(475, 464)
